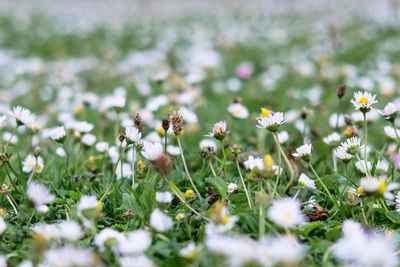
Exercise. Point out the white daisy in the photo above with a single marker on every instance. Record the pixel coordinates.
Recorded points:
(253, 162)
(88, 139)
(22, 115)
(107, 237)
(360, 165)
(164, 197)
(135, 243)
(219, 130)
(342, 154)
(389, 112)
(283, 137)
(306, 181)
(382, 166)
(332, 139)
(152, 151)
(132, 135)
(303, 152)
(363, 101)
(3, 225)
(271, 122)
(391, 132)
(39, 194)
(286, 213)
(352, 145)
(160, 221)
(238, 111)
(231, 188)
(31, 163)
(102, 147)
(208, 143)
(58, 134)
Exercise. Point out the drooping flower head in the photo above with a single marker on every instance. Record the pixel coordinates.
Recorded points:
(219, 130)
(363, 101)
(389, 112)
(341, 153)
(352, 145)
(22, 115)
(303, 152)
(271, 122)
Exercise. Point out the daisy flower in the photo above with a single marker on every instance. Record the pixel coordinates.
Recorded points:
(152, 151)
(306, 181)
(132, 135)
(164, 197)
(352, 145)
(102, 239)
(283, 137)
(286, 213)
(271, 122)
(219, 130)
(58, 134)
(31, 163)
(238, 111)
(3, 225)
(342, 154)
(360, 165)
(22, 115)
(160, 221)
(88, 139)
(137, 242)
(232, 188)
(391, 132)
(332, 139)
(102, 147)
(389, 112)
(39, 194)
(363, 101)
(253, 162)
(303, 152)
(381, 166)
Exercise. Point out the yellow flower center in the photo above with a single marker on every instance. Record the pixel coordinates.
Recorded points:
(161, 131)
(363, 100)
(140, 164)
(38, 167)
(268, 161)
(359, 190)
(79, 109)
(99, 205)
(30, 165)
(287, 216)
(382, 187)
(91, 158)
(225, 220)
(264, 112)
(237, 112)
(348, 132)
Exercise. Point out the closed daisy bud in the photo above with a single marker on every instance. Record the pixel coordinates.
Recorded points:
(341, 90)
(389, 112)
(189, 194)
(180, 216)
(165, 124)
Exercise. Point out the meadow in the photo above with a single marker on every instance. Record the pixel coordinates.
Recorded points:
(200, 140)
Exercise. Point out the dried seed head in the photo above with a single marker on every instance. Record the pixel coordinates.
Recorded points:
(207, 152)
(165, 124)
(177, 123)
(348, 120)
(341, 91)
(162, 164)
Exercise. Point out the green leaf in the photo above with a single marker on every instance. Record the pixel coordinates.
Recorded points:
(176, 189)
(393, 216)
(218, 184)
(129, 202)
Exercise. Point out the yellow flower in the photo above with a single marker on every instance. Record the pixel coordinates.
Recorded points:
(268, 161)
(140, 164)
(161, 131)
(360, 190)
(91, 158)
(78, 109)
(225, 220)
(264, 112)
(189, 193)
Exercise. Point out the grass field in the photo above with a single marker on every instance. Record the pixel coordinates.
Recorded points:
(200, 140)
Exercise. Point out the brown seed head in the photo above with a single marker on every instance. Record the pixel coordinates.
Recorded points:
(341, 91)
(177, 123)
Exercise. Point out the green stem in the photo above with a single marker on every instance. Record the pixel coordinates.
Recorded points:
(12, 204)
(188, 175)
(291, 171)
(183, 200)
(133, 166)
(278, 175)
(165, 142)
(10, 138)
(67, 159)
(323, 184)
(211, 167)
(347, 183)
(366, 143)
(244, 185)
(224, 156)
(113, 176)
